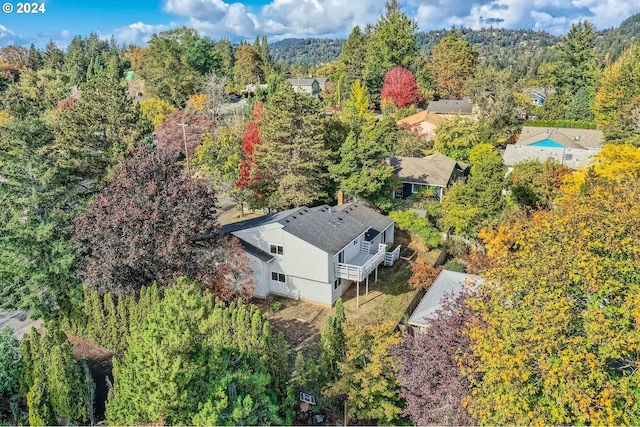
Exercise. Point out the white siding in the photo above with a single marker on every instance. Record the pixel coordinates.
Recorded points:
(260, 276)
(304, 265)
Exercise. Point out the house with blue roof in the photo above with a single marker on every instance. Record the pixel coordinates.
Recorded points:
(572, 148)
(315, 254)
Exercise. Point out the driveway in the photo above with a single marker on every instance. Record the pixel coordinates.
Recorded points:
(19, 321)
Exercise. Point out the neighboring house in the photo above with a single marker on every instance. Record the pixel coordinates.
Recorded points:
(315, 254)
(252, 88)
(572, 148)
(322, 81)
(424, 123)
(436, 170)
(451, 107)
(307, 85)
(539, 95)
(447, 282)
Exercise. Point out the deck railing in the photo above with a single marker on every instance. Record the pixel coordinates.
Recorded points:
(358, 273)
(392, 257)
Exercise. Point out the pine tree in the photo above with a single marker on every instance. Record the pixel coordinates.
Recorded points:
(292, 158)
(391, 42)
(332, 344)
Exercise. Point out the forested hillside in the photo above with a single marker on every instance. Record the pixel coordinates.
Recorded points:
(523, 50)
(306, 51)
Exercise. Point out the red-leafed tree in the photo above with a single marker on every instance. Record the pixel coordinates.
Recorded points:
(400, 86)
(251, 138)
(151, 223)
(430, 372)
(170, 136)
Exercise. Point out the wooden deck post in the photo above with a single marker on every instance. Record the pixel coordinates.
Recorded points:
(367, 286)
(376, 273)
(357, 294)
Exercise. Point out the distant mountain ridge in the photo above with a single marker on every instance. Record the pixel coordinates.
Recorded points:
(502, 47)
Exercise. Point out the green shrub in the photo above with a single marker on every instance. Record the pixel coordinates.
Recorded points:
(418, 226)
(454, 266)
(276, 306)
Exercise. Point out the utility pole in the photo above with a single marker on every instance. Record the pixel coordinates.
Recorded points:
(186, 150)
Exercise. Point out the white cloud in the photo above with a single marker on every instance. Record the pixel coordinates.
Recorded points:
(336, 18)
(554, 16)
(138, 32)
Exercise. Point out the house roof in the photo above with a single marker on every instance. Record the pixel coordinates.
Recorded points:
(570, 138)
(435, 169)
(367, 216)
(324, 227)
(447, 282)
(302, 81)
(322, 80)
(514, 154)
(540, 92)
(422, 116)
(451, 106)
(256, 222)
(256, 251)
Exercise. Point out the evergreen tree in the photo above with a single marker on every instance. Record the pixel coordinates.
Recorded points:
(11, 367)
(353, 56)
(332, 344)
(292, 158)
(391, 42)
(578, 67)
(361, 171)
(37, 260)
(193, 361)
(468, 206)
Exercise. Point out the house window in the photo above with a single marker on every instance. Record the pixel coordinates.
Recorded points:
(278, 277)
(336, 284)
(275, 249)
(568, 156)
(414, 189)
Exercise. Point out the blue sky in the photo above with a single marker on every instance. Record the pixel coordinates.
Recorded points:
(134, 21)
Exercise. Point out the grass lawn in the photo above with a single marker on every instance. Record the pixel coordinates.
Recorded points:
(388, 298)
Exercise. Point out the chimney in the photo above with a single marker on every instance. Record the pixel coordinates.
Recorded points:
(340, 197)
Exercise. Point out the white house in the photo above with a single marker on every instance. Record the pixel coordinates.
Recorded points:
(573, 148)
(315, 254)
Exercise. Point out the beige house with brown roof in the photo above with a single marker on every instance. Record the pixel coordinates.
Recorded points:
(424, 123)
(436, 170)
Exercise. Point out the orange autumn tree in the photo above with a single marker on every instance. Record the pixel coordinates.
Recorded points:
(558, 341)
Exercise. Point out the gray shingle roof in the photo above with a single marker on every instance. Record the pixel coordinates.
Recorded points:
(447, 282)
(256, 251)
(571, 138)
(256, 222)
(366, 216)
(302, 82)
(435, 169)
(451, 106)
(324, 227)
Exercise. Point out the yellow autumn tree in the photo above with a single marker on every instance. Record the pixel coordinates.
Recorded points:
(197, 102)
(368, 373)
(558, 341)
(155, 110)
(617, 103)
